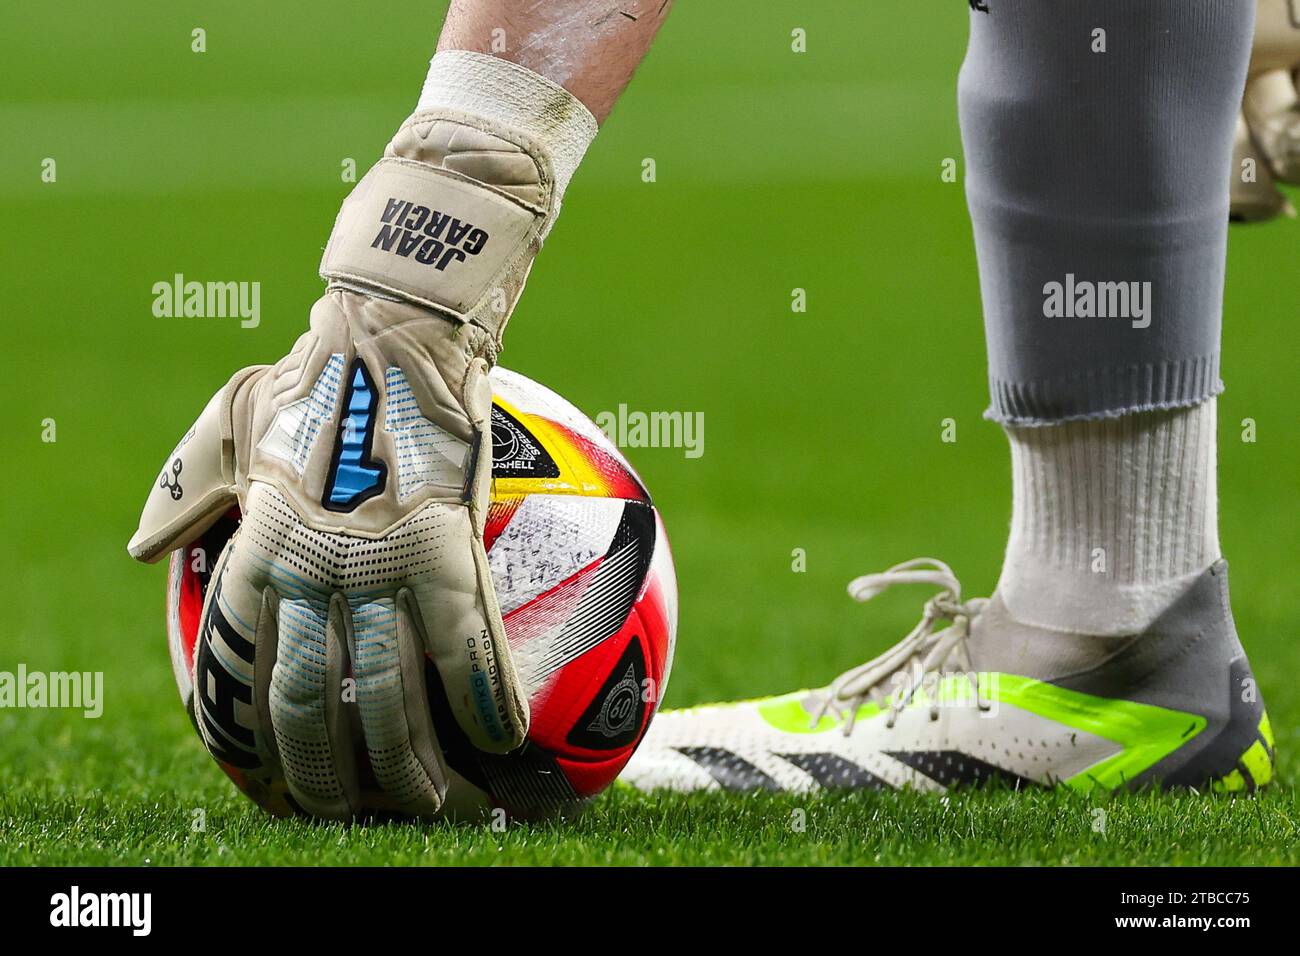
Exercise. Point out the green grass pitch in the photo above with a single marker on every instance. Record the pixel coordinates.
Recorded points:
(774, 171)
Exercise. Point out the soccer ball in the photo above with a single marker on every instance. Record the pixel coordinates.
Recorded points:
(588, 594)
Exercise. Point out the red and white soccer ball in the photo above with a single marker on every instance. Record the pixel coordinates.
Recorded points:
(587, 590)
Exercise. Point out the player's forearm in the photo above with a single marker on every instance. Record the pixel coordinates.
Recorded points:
(590, 47)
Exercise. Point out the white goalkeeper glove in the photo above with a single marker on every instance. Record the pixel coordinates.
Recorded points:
(361, 465)
(1267, 147)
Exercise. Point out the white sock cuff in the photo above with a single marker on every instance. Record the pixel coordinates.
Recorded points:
(1111, 519)
(514, 95)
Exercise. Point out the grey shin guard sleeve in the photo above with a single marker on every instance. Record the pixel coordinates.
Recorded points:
(1098, 136)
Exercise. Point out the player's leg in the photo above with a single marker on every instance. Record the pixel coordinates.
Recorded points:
(1100, 217)
(1101, 268)
(1097, 138)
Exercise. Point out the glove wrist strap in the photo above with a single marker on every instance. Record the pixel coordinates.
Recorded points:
(454, 213)
(516, 98)
(433, 237)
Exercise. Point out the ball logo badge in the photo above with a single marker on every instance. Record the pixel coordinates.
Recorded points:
(618, 711)
(505, 439)
(515, 453)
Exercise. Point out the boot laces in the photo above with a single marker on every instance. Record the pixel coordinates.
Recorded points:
(920, 656)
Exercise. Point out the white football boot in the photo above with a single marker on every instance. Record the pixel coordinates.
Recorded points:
(987, 698)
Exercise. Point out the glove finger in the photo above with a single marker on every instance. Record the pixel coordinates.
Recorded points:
(1273, 114)
(230, 682)
(392, 699)
(1253, 192)
(197, 482)
(305, 697)
(1277, 36)
(461, 629)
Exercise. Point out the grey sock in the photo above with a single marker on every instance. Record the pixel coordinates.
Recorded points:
(1098, 189)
